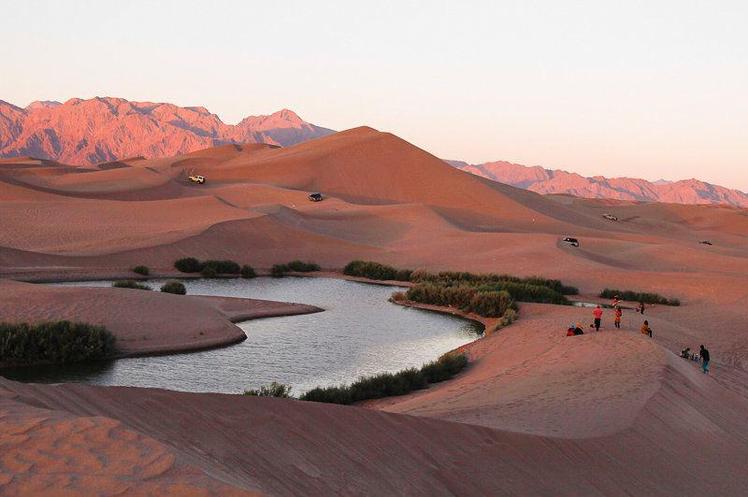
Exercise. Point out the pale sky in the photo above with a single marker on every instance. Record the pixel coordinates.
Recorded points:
(651, 89)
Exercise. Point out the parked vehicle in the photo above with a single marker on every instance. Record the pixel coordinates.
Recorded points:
(316, 197)
(610, 217)
(196, 178)
(571, 241)
(705, 242)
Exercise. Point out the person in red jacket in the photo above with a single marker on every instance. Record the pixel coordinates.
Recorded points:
(598, 315)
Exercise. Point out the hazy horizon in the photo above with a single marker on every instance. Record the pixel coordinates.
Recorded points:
(641, 90)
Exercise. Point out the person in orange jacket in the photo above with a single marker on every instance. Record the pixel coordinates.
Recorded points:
(645, 329)
(619, 314)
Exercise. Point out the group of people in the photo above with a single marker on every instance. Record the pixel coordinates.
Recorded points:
(597, 317)
(702, 356)
(645, 329)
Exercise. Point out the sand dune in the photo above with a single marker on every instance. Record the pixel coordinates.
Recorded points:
(536, 413)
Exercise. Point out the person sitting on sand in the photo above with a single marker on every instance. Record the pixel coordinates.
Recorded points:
(645, 329)
(704, 353)
(619, 314)
(597, 314)
(570, 331)
(686, 353)
(578, 330)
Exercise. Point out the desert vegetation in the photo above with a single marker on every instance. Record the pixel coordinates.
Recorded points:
(212, 268)
(188, 265)
(56, 342)
(142, 270)
(130, 284)
(174, 287)
(647, 298)
(209, 269)
(390, 384)
(451, 278)
(376, 271)
(463, 297)
(275, 389)
(296, 266)
(248, 272)
(531, 289)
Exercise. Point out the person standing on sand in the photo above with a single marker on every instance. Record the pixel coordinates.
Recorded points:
(641, 307)
(645, 329)
(704, 353)
(619, 314)
(598, 315)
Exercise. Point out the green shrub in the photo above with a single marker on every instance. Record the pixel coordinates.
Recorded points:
(248, 272)
(376, 271)
(222, 267)
(330, 395)
(58, 342)
(647, 298)
(489, 303)
(209, 272)
(297, 266)
(174, 287)
(453, 278)
(444, 368)
(389, 384)
(130, 284)
(209, 269)
(141, 270)
(279, 270)
(526, 292)
(555, 285)
(273, 390)
(188, 265)
(303, 267)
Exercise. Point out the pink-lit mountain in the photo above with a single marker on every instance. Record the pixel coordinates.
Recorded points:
(104, 129)
(547, 181)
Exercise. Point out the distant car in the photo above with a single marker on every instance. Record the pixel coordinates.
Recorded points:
(610, 217)
(196, 178)
(315, 197)
(705, 242)
(571, 241)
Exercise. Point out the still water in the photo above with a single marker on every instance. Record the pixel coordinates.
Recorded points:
(359, 333)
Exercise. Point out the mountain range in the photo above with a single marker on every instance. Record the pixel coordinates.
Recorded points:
(105, 129)
(102, 129)
(555, 181)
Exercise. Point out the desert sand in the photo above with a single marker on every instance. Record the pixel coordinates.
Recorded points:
(536, 413)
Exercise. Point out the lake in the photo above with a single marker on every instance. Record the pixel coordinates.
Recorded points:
(359, 333)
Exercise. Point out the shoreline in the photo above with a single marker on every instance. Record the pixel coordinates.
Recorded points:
(102, 274)
(143, 323)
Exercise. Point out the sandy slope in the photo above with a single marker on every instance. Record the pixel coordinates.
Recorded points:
(536, 414)
(684, 437)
